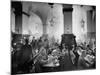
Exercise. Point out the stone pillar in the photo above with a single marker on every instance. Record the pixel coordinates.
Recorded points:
(91, 25)
(44, 29)
(67, 20)
(18, 16)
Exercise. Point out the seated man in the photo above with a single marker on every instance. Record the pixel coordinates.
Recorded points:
(23, 57)
(65, 49)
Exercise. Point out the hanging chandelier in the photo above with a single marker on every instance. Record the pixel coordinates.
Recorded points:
(52, 19)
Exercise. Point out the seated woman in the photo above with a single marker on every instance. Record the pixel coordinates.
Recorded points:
(72, 54)
(76, 56)
(40, 60)
(81, 62)
(85, 61)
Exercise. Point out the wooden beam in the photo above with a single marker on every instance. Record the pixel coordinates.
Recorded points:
(25, 13)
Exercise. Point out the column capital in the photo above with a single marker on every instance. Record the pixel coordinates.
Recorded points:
(67, 10)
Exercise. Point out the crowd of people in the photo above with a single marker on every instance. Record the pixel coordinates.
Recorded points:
(41, 55)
